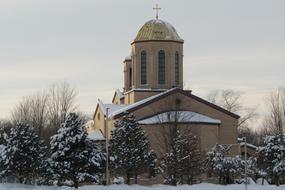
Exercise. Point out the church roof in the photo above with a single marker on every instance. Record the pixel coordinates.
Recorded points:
(137, 105)
(157, 29)
(112, 107)
(180, 117)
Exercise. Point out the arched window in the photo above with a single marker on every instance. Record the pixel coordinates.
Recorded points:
(176, 68)
(143, 67)
(161, 67)
(130, 78)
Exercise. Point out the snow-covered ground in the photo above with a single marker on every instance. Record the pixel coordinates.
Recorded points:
(203, 186)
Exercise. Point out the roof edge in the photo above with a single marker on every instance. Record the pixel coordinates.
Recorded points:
(140, 41)
(171, 91)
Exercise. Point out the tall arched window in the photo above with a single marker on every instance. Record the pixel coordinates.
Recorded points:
(161, 67)
(130, 78)
(143, 67)
(176, 68)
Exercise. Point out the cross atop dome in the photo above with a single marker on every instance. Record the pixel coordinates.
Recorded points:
(156, 8)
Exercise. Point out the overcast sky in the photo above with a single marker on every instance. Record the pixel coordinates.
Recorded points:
(237, 44)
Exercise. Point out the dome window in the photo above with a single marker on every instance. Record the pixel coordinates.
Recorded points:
(161, 67)
(143, 68)
(177, 68)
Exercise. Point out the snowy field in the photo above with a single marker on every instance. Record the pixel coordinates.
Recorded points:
(203, 186)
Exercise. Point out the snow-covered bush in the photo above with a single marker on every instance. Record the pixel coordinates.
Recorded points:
(271, 158)
(253, 169)
(262, 181)
(74, 158)
(130, 149)
(224, 167)
(23, 154)
(118, 180)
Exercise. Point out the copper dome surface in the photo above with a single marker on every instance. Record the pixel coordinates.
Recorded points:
(157, 29)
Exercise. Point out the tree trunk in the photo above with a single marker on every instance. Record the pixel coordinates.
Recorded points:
(277, 182)
(188, 180)
(128, 178)
(76, 184)
(136, 175)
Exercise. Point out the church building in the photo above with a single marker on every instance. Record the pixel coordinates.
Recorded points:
(153, 92)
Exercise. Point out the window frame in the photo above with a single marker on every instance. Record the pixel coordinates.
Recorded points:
(143, 67)
(176, 68)
(161, 67)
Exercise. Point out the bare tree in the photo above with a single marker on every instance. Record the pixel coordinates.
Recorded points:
(61, 102)
(174, 126)
(46, 110)
(5, 126)
(168, 122)
(232, 101)
(33, 111)
(274, 122)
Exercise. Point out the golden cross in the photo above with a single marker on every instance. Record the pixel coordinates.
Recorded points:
(156, 8)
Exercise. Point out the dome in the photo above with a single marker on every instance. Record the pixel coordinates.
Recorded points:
(157, 29)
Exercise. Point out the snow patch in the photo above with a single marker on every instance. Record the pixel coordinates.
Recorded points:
(180, 117)
(96, 135)
(202, 186)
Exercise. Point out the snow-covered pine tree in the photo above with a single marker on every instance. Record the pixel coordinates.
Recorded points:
(47, 173)
(130, 148)
(271, 157)
(3, 136)
(23, 154)
(224, 167)
(169, 167)
(3, 144)
(252, 169)
(74, 158)
(184, 162)
(189, 157)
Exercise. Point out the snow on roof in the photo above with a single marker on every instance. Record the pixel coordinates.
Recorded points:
(112, 107)
(248, 145)
(96, 135)
(146, 89)
(179, 116)
(120, 94)
(89, 124)
(128, 58)
(127, 107)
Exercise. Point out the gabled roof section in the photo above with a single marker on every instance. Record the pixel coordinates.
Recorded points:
(132, 107)
(119, 94)
(137, 105)
(111, 107)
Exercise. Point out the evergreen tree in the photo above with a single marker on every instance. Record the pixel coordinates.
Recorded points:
(130, 148)
(184, 162)
(271, 157)
(73, 157)
(222, 166)
(23, 154)
(252, 170)
(3, 144)
(189, 157)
